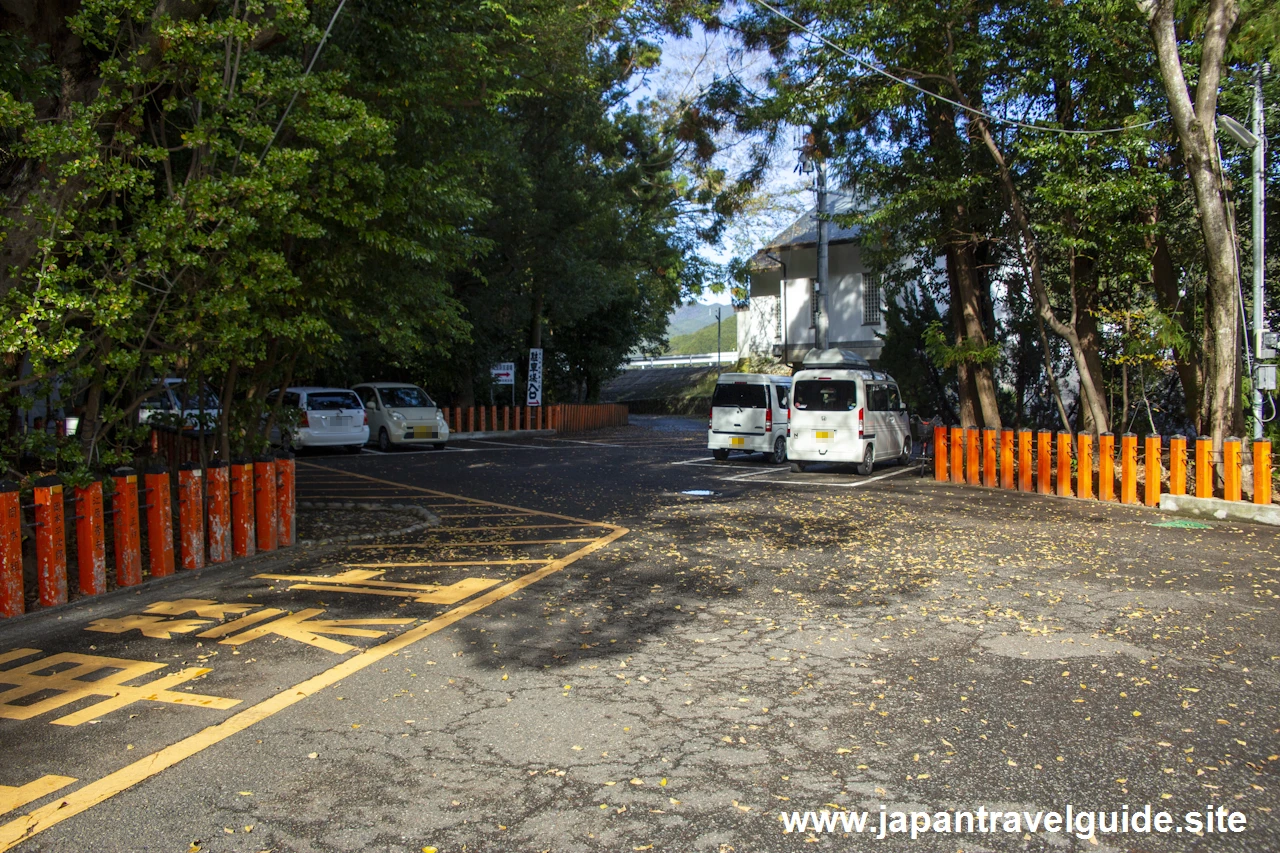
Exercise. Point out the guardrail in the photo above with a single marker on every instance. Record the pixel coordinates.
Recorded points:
(1025, 461)
(725, 357)
(252, 510)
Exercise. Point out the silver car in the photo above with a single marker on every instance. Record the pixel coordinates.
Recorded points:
(402, 414)
(325, 417)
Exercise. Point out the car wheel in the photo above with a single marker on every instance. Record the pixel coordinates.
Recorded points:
(868, 463)
(384, 440)
(779, 454)
(797, 467)
(904, 458)
(720, 455)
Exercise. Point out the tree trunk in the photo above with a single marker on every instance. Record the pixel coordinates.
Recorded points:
(1164, 280)
(1195, 123)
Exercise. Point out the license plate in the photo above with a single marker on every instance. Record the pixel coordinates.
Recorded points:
(737, 442)
(343, 421)
(420, 432)
(823, 435)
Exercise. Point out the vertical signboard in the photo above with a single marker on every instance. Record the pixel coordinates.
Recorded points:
(534, 395)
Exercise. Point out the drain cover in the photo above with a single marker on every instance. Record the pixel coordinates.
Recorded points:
(1182, 522)
(698, 493)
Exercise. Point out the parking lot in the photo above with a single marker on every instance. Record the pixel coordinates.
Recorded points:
(612, 642)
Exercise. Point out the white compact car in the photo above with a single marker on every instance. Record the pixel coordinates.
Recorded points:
(843, 411)
(329, 417)
(749, 412)
(402, 414)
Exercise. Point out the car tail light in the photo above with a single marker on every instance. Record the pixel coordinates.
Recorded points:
(788, 421)
(366, 418)
(860, 411)
(768, 420)
(710, 416)
(304, 422)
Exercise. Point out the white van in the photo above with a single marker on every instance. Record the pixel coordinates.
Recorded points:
(749, 412)
(843, 411)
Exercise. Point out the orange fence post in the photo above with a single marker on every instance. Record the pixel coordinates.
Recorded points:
(957, 454)
(127, 539)
(1129, 468)
(940, 453)
(1204, 467)
(191, 515)
(1177, 465)
(219, 491)
(1231, 469)
(264, 501)
(91, 540)
(1064, 464)
(12, 602)
(1044, 462)
(971, 457)
(506, 418)
(1262, 472)
(242, 538)
(159, 509)
(989, 469)
(1084, 466)
(286, 500)
(1025, 467)
(1006, 459)
(1151, 459)
(471, 418)
(51, 542)
(1106, 467)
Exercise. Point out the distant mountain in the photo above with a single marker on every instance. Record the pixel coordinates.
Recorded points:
(691, 318)
(704, 339)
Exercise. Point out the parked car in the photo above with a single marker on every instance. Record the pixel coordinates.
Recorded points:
(402, 414)
(175, 403)
(325, 417)
(749, 412)
(843, 411)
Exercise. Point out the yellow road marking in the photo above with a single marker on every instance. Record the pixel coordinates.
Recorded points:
(482, 544)
(12, 798)
(527, 526)
(82, 799)
(446, 563)
(507, 514)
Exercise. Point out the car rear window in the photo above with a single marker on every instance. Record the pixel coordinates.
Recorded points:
(744, 396)
(825, 395)
(325, 401)
(406, 398)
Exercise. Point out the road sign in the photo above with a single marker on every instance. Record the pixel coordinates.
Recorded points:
(503, 373)
(534, 395)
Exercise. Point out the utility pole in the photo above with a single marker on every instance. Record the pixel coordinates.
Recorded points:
(822, 329)
(1259, 235)
(719, 308)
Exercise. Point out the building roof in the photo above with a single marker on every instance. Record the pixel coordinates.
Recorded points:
(803, 233)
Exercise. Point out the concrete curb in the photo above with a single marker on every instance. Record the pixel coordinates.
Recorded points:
(428, 520)
(510, 433)
(1221, 510)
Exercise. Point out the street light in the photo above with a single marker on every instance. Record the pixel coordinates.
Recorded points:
(1264, 377)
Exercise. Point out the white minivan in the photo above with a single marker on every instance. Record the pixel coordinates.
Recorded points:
(749, 412)
(843, 411)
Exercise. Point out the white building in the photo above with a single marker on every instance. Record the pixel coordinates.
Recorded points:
(779, 317)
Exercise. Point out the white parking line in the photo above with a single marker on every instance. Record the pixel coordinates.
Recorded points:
(751, 474)
(897, 472)
(508, 444)
(371, 450)
(701, 461)
(595, 443)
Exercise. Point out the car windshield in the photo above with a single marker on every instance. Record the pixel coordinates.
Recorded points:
(324, 401)
(740, 395)
(192, 401)
(825, 395)
(406, 398)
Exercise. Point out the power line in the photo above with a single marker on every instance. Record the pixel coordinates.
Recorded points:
(982, 113)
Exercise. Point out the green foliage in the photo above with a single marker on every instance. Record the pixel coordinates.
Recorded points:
(704, 339)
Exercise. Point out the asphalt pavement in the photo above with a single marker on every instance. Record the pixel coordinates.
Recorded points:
(611, 642)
